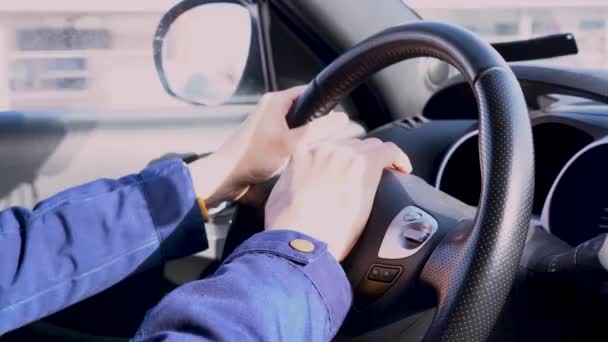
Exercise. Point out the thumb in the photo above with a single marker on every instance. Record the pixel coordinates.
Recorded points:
(291, 94)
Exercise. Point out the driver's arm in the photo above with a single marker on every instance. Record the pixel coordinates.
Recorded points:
(86, 239)
(285, 285)
(265, 291)
(90, 237)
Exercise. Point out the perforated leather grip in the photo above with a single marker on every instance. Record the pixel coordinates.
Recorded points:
(454, 45)
(472, 271)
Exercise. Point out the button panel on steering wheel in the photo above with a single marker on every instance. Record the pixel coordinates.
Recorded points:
(407, 233)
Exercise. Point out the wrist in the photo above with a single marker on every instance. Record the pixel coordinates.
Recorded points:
(214, 180)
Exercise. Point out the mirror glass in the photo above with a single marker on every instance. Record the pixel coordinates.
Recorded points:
(205, 52)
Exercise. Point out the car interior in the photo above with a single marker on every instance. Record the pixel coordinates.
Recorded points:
(501, 231)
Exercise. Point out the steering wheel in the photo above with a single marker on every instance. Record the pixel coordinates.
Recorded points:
(418, 237)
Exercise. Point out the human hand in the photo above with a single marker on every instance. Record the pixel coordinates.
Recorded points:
(327, 191)
(260, 148)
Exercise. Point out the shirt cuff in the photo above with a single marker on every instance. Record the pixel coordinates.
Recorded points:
(174, 210)
(320, 267)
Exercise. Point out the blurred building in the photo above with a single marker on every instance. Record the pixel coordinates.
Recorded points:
(79, 54)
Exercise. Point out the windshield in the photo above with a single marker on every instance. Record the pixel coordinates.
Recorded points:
(506, 20)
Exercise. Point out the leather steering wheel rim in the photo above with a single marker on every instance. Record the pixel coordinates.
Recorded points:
(472, 271)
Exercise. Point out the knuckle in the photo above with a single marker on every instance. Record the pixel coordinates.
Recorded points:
(373, 141)
(322, 150)
(302, 152)
(341, 154)
(341, 117)
(266, 98)
(340, 151)
(392, 148)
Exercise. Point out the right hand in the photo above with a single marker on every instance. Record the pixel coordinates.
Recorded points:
(259, 149)
(327, 191)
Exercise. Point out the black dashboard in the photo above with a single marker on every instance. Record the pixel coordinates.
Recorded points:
(570, 129)
(554, 144)
(551, 299)
(571, 168)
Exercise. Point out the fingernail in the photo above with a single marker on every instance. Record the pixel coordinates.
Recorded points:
(402, 168)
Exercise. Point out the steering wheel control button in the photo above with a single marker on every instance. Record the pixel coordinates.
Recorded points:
(415, 235)
(379, 279)
(407, 233)
(411, 216)
(384, 274)
(302, 245)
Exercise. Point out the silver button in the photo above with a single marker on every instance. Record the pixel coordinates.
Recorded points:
(415, 235)
(411, 216)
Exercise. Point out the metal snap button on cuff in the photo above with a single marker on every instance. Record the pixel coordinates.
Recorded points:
(302, 245)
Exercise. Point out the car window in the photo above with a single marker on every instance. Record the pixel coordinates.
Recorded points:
(505, 20)
(81, 56)
(79, 76)
(295, 63)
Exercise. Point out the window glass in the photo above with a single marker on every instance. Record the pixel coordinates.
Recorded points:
(89, 56)
(295, 63)
(504, 20)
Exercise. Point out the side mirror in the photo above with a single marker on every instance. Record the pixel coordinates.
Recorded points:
(206, 52)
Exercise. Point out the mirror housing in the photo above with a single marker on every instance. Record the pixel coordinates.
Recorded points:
(237, 79)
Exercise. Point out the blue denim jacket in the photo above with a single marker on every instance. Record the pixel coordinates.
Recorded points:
(88, 238)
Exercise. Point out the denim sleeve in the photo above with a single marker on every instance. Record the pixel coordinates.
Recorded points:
(90, 237)
(265, 291)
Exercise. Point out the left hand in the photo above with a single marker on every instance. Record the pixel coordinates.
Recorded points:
(260, 148)
(327, 191)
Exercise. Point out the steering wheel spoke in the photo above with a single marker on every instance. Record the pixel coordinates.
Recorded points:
(409, 219)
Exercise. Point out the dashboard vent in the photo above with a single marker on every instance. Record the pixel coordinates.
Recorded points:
(412, 122)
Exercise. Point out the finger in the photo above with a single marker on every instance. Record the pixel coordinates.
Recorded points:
(365, 145)
(357, 151)
(389, 155)
(292, 93)
(341, 127)
(357, 146)
(322, 129)
(281, 101)
(353, 130)
(287, 97)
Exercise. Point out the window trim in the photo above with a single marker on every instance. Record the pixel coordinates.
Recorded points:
(372, 111)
